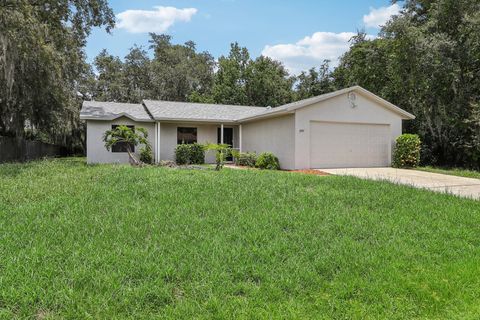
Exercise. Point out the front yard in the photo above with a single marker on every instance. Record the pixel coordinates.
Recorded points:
(108, 241)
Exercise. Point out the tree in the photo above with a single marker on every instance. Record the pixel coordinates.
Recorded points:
(127, 137)
(42, 64)
(426, 61)
(242, 81)
(267, 83)
(178, 70)
(230, 79)
(314, 83)
(110, 85)
(136, 75)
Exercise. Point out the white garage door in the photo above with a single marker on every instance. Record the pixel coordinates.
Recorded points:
(343, 145)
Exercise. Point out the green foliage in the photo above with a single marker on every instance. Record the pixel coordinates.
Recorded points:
(146, 154)
(267, 160)
(268, 83)
(43, 72)
(124, 134)
(175, 73)
(222, 151)
(425, 61)
(182, 154)
(263, 244)
(190, 154)
(247, 159)
(407, 151)
(314, 83)
(178, 70)
(243, 81)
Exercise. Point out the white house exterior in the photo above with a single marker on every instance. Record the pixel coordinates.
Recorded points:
(346, 128)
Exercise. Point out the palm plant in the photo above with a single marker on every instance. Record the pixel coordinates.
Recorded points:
(129, 137)
(222, 152)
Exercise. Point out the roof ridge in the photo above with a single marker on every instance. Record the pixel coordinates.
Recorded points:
(202, 103)
(147, 111)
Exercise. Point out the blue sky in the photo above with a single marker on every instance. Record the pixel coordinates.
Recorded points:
(299, 33)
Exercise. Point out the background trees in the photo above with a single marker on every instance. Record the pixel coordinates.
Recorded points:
(42, 64)
(425, 60)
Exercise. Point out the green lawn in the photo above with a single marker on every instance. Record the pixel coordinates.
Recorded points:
(116, 242)
(452, 171)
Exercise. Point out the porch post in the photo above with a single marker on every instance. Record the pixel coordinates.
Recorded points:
(240, 138)
(157, 147)
(155, 139)
(221, 133)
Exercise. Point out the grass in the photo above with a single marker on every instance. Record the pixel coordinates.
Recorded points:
(452, 171)
(117, 242)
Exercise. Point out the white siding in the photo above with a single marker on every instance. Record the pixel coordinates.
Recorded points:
(96, 152)
(339, 109)
(205, 133)
(276, 135)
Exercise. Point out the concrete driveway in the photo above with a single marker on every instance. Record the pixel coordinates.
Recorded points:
(464, 187)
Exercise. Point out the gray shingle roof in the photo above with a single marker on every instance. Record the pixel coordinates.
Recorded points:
(185, 111)
(167, 110)
(95, 110)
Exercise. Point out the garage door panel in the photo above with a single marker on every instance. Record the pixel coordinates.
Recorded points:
(335, 145)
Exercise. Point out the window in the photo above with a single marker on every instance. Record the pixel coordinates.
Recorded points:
(122, 146)
(186, 135)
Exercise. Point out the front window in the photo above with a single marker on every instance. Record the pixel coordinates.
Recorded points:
(186, 135)
(122, 146)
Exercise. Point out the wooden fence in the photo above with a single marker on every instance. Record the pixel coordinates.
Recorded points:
(20, 150)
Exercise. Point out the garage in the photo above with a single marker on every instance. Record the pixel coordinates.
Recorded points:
(344, 145)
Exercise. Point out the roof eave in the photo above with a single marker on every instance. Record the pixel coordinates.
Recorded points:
(114, 117)
(194, 120)
(267, 115)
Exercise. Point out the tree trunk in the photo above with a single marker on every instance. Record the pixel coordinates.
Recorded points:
(131, 158)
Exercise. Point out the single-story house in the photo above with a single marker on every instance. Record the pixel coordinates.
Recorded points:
(346, 128)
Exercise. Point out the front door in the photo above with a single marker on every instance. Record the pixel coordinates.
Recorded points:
(227, 138)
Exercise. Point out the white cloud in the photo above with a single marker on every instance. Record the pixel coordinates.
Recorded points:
(311, 51)
(158, 20)
(378, 17)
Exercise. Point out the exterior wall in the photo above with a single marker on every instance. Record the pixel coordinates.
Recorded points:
(205, 133)
(96, 152)
(339, 109)
(276, 135)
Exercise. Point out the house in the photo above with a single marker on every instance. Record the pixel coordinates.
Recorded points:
(346, 128)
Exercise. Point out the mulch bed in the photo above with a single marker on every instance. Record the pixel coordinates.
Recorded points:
(310, 171)
(304, 171)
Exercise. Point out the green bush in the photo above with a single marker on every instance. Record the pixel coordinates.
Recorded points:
(146, 155)
(407, 151)
(247, 159)
(197, 154)
(267, 160)
(189, 154)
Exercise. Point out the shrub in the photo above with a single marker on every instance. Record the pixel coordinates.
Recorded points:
(197, 154)
(247, 159)
(189, 154)
(146, 155)
(407, 151)
(267, 160)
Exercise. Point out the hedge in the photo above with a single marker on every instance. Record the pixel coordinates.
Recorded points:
(407, 151)
(190, 154)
